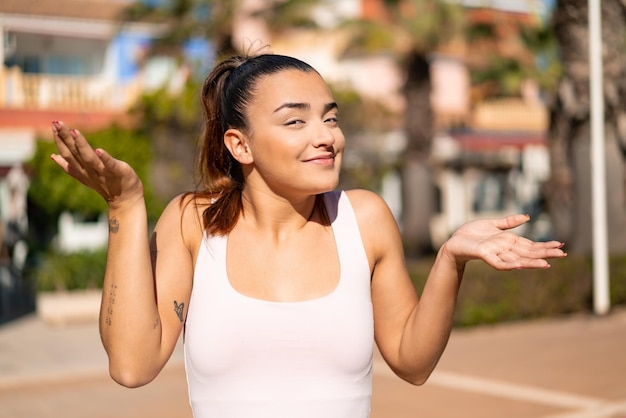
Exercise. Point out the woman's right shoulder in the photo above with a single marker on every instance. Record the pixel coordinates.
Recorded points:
(189, 201)
(184, 213)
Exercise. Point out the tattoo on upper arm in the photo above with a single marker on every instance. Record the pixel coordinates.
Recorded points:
(114, 225)
(153, 250)
(178, 308)
(153, 257)
(108, 319)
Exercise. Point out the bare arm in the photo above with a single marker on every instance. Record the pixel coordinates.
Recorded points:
(412, 332)
(139, 322)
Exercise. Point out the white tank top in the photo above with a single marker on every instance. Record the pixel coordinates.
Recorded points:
(252, 358)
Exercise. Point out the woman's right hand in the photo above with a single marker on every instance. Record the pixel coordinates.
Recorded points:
(113, 179)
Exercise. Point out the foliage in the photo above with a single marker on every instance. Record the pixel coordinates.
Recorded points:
(162, 107)
(364, 121)
(53, 191)
(283, 15)
(360, 114)
(506, 52)
(69, 271)
(185, 20)
(213, 19)
(416, 26)
(490, 296)
(486, 296)
(173, 124)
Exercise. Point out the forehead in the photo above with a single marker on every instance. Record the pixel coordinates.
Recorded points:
(292, 86)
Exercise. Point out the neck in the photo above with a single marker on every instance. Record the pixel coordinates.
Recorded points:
(278, 216)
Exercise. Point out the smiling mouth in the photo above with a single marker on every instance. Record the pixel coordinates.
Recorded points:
(322, 157)
(330, 157)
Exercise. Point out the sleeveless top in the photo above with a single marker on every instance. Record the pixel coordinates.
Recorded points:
(247, 357)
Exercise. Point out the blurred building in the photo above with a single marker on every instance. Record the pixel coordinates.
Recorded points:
(490, 156)
(64, 60)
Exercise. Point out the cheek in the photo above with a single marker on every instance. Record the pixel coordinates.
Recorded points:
(340, 139)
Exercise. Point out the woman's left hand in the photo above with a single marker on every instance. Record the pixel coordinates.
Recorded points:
(492, 241)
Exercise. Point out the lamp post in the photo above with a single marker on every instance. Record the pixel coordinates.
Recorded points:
(601, 301)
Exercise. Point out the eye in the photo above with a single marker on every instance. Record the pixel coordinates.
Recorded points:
(332, 120)
(294, 122)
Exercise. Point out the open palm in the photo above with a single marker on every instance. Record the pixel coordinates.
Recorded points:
(113, 179)
(492, 241)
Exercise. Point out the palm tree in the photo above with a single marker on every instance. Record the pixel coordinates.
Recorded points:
(506, 50)
(214, 20)
(186, 19)
(570, 187)
(411, 31)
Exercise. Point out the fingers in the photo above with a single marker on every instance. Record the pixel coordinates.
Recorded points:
(65, 144)
(511, 260)
(59, 136)
(71, 143)
(512, 221)
(76, 156)
(550, 249)
(107, 161)
(525, 254)
(61, 162)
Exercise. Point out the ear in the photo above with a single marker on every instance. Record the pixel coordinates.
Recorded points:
(237, 143)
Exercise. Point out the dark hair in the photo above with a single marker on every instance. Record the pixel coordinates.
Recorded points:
(226, 95)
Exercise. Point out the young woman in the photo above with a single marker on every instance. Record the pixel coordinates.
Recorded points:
(281, 283)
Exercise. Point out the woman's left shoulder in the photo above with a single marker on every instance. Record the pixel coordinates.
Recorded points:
(368, 206)
(378, 227)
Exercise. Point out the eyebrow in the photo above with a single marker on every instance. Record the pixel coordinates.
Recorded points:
(305, 106)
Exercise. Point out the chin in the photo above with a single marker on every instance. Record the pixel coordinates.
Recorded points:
(329, 187)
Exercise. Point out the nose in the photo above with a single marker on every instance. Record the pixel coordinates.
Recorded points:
(325, 135)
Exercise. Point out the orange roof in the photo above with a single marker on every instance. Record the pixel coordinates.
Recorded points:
(79, 9)
(493, 140)
(40, 120)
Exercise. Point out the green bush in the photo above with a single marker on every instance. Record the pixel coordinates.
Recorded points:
(489, 296)
(54, 191)
(69, 271)
(486, 296)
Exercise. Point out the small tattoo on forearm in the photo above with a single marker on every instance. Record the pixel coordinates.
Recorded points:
(114, 225)
(108, 319)
(156, 324)
(179, 310)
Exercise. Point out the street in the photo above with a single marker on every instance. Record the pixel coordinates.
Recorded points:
(569, 367)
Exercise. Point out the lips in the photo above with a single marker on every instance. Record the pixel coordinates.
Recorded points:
(324, 157)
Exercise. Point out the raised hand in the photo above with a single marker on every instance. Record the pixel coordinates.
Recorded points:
(113, 179)
(492, 241)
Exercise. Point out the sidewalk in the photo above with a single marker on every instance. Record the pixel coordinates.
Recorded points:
(33, 352)
(573, 367)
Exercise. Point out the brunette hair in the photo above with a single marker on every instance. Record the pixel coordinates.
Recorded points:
(226, 94)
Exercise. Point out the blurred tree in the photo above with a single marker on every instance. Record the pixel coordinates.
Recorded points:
(505, 50)
(184, 20)
(55, 191)
(501, 55)
(569, 138)
(172, 123)
(412, 30)
(170, 115)
(52, 191)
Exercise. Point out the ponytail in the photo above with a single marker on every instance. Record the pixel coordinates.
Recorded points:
(226, 94)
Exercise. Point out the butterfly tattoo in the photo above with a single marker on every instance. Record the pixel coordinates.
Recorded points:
(178, 308)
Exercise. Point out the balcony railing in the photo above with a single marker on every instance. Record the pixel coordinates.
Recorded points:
(81, 93)
(510, 114)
